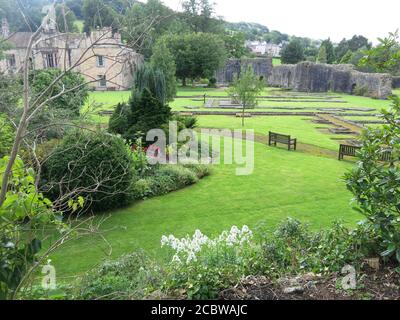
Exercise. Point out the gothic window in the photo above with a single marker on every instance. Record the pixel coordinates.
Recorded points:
(11, 61)
(50, 60)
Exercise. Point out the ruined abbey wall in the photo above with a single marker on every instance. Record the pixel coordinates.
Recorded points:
(396, 83)
(313, 77)
(261, 66)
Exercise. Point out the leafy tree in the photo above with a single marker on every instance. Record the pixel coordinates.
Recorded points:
(245, 89)
(27, 20)
(330, 51)
(70, 19)
(352, 45)
(322, 55)
(163, 60)
(276, 37)
(199, 16)
(76, 7)
(71, 101)
(376, 185)
(145, 23)
(346, 58)
(10, 93)
(385, 57)
(196, 55)
(98, 14)
(293, 52)
(147, 77)
(235, 45)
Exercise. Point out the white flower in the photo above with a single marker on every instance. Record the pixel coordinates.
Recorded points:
(176, 259)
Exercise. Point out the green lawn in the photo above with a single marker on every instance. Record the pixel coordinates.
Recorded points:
(298, 127)
(283, 184)
(108, 100)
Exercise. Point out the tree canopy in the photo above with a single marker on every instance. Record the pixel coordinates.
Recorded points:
(293, 52)
(197, 55)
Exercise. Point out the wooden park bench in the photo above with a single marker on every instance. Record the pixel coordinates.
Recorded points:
(346, 150)
(351, 151)
(282, 138)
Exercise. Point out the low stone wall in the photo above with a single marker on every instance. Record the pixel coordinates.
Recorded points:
(396, 83)
(261, 66)
(313, 77)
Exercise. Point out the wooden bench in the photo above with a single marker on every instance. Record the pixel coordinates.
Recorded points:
(346, 150)
(282, 138)
(351, 151)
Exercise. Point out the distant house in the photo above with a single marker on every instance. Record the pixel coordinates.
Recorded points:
(265, 48)
(101, 57)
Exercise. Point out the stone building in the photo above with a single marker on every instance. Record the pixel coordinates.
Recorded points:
(101, 57)
(313, 77)
(261, 66)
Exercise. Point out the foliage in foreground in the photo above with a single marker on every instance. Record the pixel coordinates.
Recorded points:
(376, 184)
(200, 267)
(23, 216)
(6, 135)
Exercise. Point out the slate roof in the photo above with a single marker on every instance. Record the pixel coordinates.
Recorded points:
(20, 39)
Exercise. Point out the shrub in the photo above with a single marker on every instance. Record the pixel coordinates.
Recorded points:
(147, 113)
(6, 135)
(95, 165)
(212, 83)
(167, 178)
(180, 175)
(376, 185)
(201, 266)
(132, 276)
(292, 248)
(118, 122)
(71, 101)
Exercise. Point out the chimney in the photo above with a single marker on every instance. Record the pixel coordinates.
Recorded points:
(5, 28)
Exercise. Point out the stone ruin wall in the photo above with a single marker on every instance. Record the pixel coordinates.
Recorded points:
(313, 77)
(396, 83)
(261, 66)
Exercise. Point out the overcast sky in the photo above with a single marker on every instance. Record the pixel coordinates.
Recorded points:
(317, 19)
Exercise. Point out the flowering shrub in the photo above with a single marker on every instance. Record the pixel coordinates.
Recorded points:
(202, 266)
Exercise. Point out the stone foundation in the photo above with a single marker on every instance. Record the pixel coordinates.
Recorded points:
(312, 77)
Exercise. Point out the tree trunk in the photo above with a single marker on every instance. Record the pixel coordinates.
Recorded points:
(184, 82)
(244, 108)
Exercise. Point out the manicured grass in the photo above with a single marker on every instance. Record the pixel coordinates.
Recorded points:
(276, 62)
(108, 100)
(283, 184)
(298, 127)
